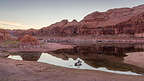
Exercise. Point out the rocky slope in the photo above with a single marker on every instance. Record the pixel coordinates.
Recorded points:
(114, 21)
(127, 21)
(112, 16)
(133, 26)
(28, 40)
(4, 35)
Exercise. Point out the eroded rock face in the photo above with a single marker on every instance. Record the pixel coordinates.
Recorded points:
(114, 21)
(62, 28)
(133, 26)
(112, 16)
(4, 35)
(21, 33)
(28, 40)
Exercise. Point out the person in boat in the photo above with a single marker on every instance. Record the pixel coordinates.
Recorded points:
(79, 63)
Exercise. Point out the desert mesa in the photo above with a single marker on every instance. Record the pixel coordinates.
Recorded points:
(102, 46)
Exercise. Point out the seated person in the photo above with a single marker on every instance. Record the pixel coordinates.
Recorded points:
(79, 63)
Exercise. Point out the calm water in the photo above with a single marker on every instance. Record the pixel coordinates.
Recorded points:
(109, 58)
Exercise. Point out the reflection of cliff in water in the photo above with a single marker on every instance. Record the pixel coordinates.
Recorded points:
(113, 50)
(29, 56)
(109, 56)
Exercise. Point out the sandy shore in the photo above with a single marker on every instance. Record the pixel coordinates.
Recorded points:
(135, 58)
(47, 47)
(92, 40)
(12, 70)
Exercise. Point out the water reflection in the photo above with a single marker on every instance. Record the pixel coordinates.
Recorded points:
(27, 56)
(70, 63)
(109, 58)
(31, 56)
(119, 51)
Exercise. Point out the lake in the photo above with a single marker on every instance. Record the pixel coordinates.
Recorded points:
(115, 58)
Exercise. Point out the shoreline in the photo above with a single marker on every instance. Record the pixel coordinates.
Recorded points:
(92, 40)
(33, 71)
(46, 48)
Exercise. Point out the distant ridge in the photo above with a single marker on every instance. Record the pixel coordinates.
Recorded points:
(113, 21)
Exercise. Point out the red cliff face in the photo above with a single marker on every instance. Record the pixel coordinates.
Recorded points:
(112, 16)
(133, 26)
(28, 40)
(61, 28)
(113, 21)
(4, 35)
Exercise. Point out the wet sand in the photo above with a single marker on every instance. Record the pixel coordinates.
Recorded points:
(12, 70)
(135, 58)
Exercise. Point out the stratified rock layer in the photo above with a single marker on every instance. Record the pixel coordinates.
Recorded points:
(127, 21)
(28, 40)
(4, 35)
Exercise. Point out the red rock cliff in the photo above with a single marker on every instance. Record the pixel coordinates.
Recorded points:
(113, 21)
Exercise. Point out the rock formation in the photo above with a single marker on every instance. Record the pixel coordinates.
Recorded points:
(4, 35)
(28, 40)
(112, 16)
(113, 21)
(117, 21)
(21, 33)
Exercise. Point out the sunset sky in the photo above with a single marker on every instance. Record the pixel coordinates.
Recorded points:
(39, 13)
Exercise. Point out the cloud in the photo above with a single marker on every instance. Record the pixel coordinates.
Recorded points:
(15, 25)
